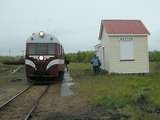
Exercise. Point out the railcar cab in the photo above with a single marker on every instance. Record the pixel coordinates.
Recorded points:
(43, 45)
(44, 56)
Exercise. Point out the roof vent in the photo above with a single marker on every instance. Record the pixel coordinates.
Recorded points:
(33, 33)
(31, 38)
(51, 38)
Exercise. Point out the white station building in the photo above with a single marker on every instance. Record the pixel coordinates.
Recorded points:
(123, 46)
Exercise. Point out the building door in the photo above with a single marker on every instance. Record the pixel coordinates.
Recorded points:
(103, 57)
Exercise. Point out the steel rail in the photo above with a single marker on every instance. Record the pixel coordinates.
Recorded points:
(11, 99)
(35, 105)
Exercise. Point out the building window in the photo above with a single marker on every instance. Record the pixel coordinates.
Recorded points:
(126, 50)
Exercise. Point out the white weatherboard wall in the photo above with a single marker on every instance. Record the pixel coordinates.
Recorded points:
(105, 51)
(111, 60)
(140, 56)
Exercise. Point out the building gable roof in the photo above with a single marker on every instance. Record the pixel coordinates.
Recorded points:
(123, 27)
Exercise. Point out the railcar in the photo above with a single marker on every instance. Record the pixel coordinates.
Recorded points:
(44, 58)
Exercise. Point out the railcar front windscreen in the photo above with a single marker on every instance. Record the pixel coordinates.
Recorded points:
(41, 49)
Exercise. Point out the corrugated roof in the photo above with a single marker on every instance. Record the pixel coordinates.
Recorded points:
(123, 27)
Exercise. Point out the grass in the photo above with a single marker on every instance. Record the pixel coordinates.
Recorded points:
(6, 74)
(131, 94)
(6, 58)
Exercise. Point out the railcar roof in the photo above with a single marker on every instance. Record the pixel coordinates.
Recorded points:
(47, 38)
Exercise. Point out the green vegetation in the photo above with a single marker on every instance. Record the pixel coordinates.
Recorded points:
(12, 60)
(6, 73)
(5, 58)
(154, 55)
(134, 95)
(85, 56)
(80, 56)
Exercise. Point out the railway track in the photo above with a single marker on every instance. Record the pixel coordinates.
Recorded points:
(48, 103)
(22, 105)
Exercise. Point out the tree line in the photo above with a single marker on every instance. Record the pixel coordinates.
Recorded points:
(77, 57)
(85, 56)
(12, 60)
(80, 56)
(154, 55)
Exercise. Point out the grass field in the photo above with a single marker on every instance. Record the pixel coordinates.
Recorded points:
(135, 95)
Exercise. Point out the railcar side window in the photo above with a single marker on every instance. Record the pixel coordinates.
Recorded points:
(60, 53)
(58, 50)
(41, 49)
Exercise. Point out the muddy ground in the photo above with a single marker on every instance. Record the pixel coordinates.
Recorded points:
(53, 105)
(79, 105)
(11, 81)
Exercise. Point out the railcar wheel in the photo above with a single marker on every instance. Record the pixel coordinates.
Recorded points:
(29, 81)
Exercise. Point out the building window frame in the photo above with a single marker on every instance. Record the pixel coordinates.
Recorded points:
(127, 49)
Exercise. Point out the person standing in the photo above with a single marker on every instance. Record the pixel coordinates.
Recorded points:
(95, 64)
(99, 63)
(66, 63)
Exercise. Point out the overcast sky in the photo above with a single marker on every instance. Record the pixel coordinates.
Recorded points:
(74, 22)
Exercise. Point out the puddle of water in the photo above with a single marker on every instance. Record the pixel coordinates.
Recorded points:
(70, 84)
(66, 85)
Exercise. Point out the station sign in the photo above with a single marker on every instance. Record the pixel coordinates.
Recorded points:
(126, 38)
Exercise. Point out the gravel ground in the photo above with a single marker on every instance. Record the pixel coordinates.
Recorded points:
(8, 91)
(11, 84)
(53, 106)
(18, 108)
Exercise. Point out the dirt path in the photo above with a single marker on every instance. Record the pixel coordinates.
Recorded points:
(53, 106)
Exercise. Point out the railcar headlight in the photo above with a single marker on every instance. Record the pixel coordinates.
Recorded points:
(41, 34)
(41, 57)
